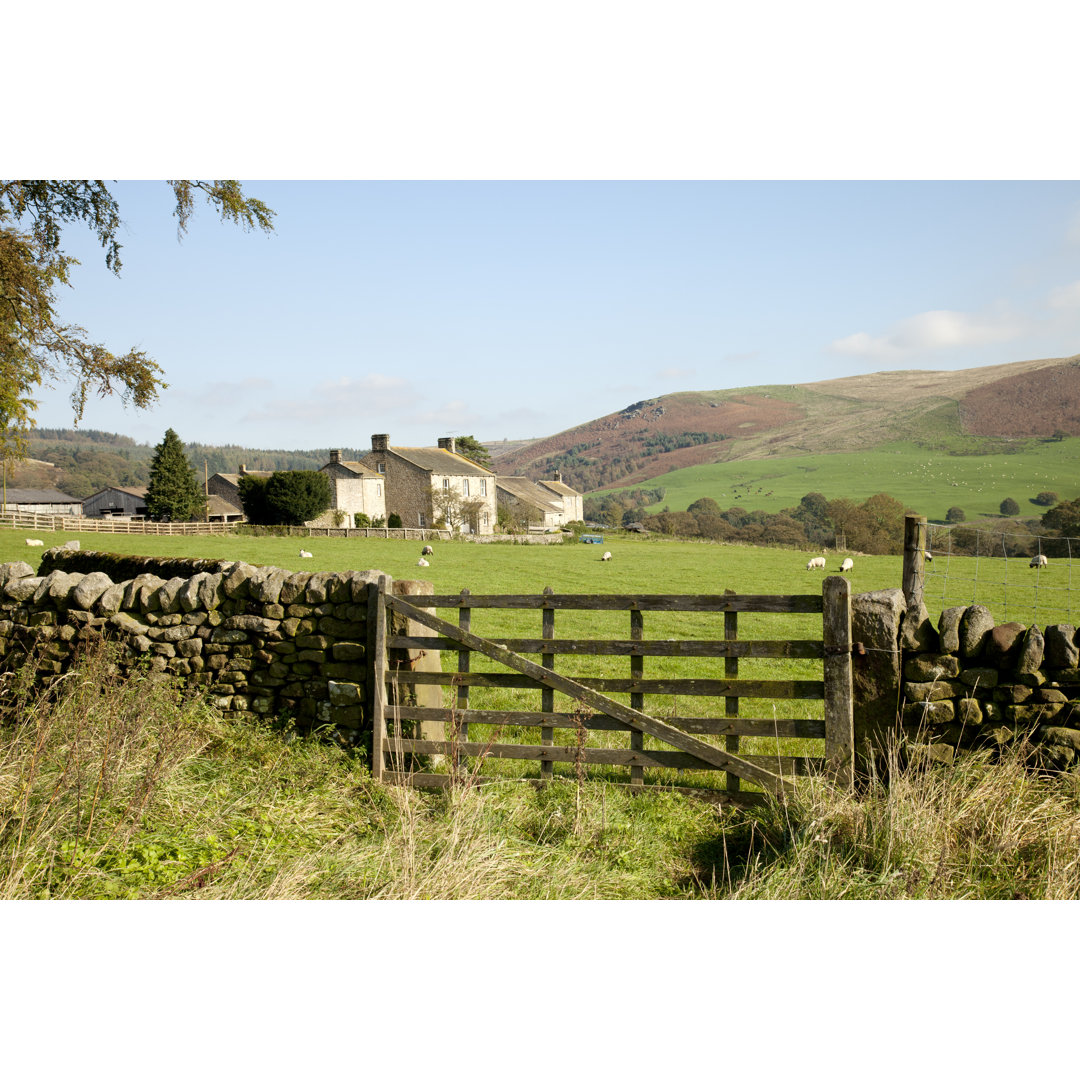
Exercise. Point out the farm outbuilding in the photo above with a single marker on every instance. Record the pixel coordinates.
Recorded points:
(41, 501)
(116, 502)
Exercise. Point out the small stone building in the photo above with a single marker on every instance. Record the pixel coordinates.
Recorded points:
(546, 504)
(116, 502)
(226, 486)
(416, 475)
(354, 489)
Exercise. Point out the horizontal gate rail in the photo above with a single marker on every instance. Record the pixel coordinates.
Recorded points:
(798, 728)
(805, 689)
(808, 604)
(763, 650)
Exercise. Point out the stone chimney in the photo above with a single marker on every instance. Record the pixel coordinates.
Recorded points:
(558, 477)
(380, 442)
(447, 444)
(335, 457)
(243, 469)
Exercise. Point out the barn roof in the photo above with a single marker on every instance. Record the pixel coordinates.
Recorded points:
(39, 495)
(357, 467)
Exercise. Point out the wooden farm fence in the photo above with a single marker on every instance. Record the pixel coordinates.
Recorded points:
(684, 740)
(77, 523)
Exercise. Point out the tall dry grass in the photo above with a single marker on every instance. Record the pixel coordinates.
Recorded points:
(124, 788)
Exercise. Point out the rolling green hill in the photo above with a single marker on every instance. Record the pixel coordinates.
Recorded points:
(932, 439)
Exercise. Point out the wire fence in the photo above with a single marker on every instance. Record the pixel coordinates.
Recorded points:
(1019, 575)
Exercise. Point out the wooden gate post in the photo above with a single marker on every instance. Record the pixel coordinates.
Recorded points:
(914, 549)
(839, 706)
(377, 643)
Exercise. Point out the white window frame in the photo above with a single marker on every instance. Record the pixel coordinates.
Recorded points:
(483, 486)
(465, 487)
(446, 483)
(422, 520)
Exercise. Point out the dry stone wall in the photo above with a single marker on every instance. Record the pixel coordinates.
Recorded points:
(259, 640)
(969, 681)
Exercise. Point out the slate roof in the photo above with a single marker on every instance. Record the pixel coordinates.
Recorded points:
(137, 492)
(357, 467)
(437, 460)
(558, 487)
(39, 495)
(234, 477)
(521, 487)
(219, 507)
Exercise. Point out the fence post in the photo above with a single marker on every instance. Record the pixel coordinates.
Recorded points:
(839, 706)
(914, 548)
(377, 640)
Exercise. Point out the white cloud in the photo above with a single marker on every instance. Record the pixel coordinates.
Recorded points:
(1065, 296)
(928, 331)
(677, 373)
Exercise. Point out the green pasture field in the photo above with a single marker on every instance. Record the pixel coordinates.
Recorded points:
(1008, 587)
(926, 481)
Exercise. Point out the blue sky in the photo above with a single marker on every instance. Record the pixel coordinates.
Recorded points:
(515, 309)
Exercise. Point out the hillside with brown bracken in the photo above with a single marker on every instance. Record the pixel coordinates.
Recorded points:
(653, 437)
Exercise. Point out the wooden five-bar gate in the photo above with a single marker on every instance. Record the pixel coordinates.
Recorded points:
(653, 748)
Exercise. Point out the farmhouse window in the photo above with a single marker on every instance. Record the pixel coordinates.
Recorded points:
(483, 491)
(446, 484)
(378, 490)
(464, 487)
(381, 467)
(422, 520)
(485, 512)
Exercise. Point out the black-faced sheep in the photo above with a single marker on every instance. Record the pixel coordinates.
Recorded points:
(1037, 561)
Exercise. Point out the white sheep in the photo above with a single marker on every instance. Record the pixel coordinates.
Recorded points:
(606, 556)
(816, 564)
(428, 550)
(305, 554)
(847, 564)
(927, 556)
(422, 562)
(35, 543)
(1037, 561)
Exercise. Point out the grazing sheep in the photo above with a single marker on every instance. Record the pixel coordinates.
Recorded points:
(428, 550)
(927, 556)
(847, 564)
(35, 543)
(305, 554)
(1037, 560)
(816, 564)
(606, 556)
(422, 562)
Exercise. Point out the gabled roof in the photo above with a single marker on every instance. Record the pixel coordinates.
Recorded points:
(437, 460)
(234, 478)
(39, 495)
(521, 487)
(218, 507)
(558, 487)
(357, 467)
(137, 492)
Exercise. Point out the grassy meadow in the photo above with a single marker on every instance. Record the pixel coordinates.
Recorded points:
(927, 481)
(141, 791)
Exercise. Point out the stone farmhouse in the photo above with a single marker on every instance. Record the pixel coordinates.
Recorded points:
(415, 475)
(116, 502)
(354, 489)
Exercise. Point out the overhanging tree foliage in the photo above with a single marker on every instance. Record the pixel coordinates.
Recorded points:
(173, 492)
(473, 449)
(36, 347)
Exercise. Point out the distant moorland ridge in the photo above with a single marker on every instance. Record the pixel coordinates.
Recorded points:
(955, 410)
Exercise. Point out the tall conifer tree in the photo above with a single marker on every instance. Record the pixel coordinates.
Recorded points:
(173, 493)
